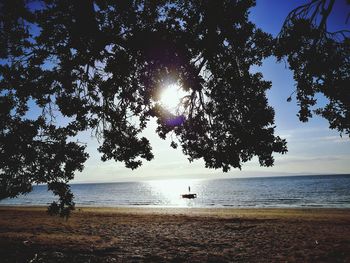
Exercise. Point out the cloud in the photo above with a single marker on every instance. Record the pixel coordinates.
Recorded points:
(321, 159)
(335, 139)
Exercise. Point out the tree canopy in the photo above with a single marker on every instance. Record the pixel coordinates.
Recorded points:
(102, 64)
(320, 61)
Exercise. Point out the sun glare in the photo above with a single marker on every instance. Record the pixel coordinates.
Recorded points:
(171, 96)
(170, 191)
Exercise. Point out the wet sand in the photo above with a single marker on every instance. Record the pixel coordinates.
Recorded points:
(175, 235)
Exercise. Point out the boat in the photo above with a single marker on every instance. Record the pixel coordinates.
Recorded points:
(189, 196)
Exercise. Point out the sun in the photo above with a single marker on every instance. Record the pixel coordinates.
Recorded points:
(171, 95)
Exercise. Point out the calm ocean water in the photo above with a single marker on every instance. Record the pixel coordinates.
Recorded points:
(292, 191)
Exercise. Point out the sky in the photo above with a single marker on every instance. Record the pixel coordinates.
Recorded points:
(312, 147)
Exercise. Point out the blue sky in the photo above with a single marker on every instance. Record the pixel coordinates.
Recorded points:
(313, 148)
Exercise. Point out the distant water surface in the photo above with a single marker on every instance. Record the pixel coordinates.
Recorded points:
(328, 191)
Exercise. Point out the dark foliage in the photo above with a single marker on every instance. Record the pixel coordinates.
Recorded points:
(320, 61)
(101, 65)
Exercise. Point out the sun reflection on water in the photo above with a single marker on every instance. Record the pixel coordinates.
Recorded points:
(170, 191)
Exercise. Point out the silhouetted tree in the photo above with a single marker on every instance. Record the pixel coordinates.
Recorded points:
(320, 61)
(100, 65)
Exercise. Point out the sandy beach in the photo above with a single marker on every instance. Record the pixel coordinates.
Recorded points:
(28, 234)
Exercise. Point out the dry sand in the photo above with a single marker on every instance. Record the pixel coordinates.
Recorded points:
(175, 235)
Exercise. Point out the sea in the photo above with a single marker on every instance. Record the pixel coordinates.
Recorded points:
(323, 191)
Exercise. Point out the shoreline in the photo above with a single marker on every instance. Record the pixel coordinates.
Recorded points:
(159, 207)
(195, 211)
(175, 235)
